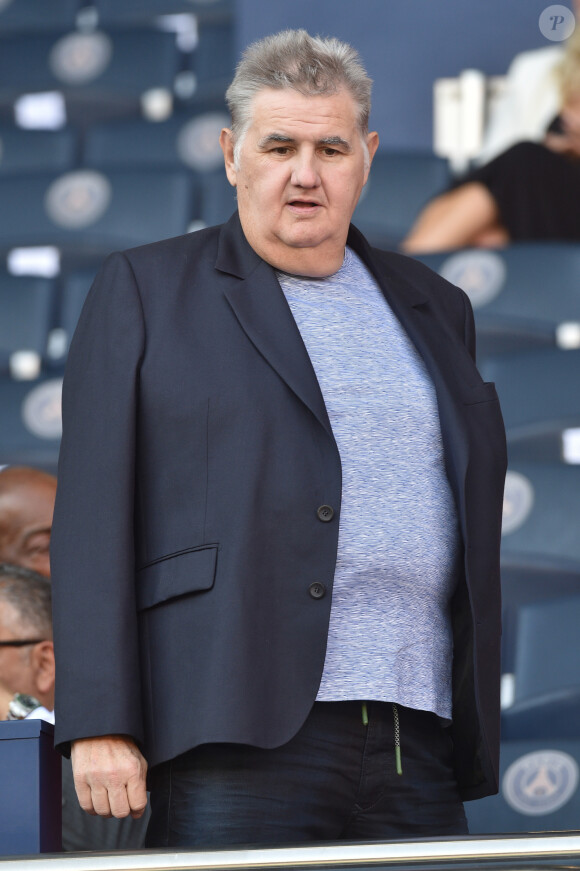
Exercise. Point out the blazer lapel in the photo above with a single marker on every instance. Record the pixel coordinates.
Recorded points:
(261, 308)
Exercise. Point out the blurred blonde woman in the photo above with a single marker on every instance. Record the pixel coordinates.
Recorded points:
(530, 191)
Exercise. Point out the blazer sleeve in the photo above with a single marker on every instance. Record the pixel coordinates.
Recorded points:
(92, 545)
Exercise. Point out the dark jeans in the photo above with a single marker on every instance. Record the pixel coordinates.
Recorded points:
(335, 780)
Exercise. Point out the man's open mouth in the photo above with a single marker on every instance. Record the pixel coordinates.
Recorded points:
(303, 204)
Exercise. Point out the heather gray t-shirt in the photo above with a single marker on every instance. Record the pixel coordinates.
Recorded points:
(390, 632)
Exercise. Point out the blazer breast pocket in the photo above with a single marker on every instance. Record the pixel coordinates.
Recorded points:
(179, 574)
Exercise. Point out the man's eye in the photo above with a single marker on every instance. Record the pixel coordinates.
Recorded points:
(330, 152)
(37, 550)
(281, 149)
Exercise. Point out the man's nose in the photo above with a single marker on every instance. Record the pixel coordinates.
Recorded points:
(304, 171)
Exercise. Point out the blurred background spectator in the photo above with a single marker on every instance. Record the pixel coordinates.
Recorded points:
(532, 189)
(26, 506)
(26, 650)
(27, 690)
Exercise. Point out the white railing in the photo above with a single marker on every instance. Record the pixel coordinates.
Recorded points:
(530, 849)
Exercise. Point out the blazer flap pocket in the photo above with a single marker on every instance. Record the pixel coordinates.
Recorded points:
(187, 572)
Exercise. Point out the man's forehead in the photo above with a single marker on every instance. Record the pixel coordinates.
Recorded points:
(9, 616)
(29, 494)
(19, 515)
(272, 107)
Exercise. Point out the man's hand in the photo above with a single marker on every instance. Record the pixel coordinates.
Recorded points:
(109, 775)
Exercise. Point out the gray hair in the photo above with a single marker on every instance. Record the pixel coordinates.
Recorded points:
(30, 596)
(308, 64)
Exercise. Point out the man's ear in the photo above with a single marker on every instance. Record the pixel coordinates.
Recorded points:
(43, 662)
(227, 145)
(372, 145)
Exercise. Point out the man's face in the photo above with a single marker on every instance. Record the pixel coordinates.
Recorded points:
(302, 166)
(16, 666)
(26, 524)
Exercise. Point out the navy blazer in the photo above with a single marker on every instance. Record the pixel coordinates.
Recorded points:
(196, 451)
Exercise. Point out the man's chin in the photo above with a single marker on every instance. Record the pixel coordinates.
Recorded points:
(304, 237)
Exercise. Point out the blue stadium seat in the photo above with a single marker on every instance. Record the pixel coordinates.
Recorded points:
(546, 681)
(548, 648)
(538, 789)
(108, 71)
(111, 12)
(187, 139)
(521, 294)
(33, 15)
(26, 311)
(28, 151)
(94, 213)
(218, 198)
(213, 59)
(539, 393)
(541, 511)
(399, 185)
(74, 291)
(540, 727)
(30, 423)
(531, 583)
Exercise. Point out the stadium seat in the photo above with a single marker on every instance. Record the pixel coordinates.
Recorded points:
(187, 139)
(93, 213)
(104, 72)
(534, 582)
(26, 310)
(33, 15)
(398, 187)
(524, 296)
(546, 681)
(213, 59)
(218, 198)
(539, 393)
(540, 748)
(538, 789)
(30, 423)
(541, 511)
(29, 151)
(547, 648)
(111, 12)
(74, 291)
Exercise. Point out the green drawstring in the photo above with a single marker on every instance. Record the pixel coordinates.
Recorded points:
(397, 740)
(365, 714)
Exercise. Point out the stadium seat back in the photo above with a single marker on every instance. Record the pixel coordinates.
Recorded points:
(96, 211)
(398, 187)
(29, 151)
(26, 311)
(521, 295)
(541, 511)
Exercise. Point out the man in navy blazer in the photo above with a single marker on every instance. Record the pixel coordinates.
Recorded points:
(251, 414)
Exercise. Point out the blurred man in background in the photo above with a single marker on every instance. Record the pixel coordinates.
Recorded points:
(27, 691)
(26, 651)
(26, 505)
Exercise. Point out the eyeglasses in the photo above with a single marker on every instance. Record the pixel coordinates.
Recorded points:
(21, 642)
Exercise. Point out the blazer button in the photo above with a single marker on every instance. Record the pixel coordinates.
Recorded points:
(325, 513)
(317, 590)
